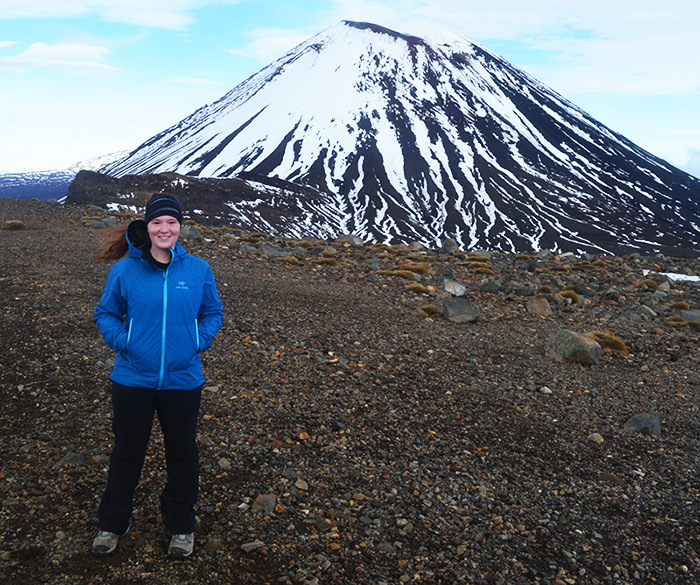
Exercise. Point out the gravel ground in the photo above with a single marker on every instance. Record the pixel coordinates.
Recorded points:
(350, 434)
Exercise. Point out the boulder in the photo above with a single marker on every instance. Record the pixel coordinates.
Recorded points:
(491, 285)
(450, 245)
(350, 239)
(525, 290)
(539, 307)
(95, 224)
(572, 347)
(456, 289)
(689, 315)
(460, 310)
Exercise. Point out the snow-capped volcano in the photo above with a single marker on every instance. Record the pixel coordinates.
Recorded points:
(428, 137)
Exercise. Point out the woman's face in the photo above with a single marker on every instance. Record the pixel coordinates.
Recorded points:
(163, 231)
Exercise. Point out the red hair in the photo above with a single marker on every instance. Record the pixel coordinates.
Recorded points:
(114, 247)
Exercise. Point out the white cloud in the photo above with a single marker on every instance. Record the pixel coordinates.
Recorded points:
(42, 8)
(172, 14)
(270, 44)
(621, 46)
(156, 13)
(43, 55)
(4, 44)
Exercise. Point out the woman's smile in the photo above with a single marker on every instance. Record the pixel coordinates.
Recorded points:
(164, 231)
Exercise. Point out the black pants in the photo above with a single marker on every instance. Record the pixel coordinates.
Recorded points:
(133, 412)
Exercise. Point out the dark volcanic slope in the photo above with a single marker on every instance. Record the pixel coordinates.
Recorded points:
(391, 447)
(430, 137)
(249, 201)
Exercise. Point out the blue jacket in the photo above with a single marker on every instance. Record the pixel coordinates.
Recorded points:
(158, 321)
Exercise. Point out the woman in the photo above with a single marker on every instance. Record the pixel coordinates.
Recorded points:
(158, 311)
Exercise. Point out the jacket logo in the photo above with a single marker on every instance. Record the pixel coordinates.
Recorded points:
(182, 285)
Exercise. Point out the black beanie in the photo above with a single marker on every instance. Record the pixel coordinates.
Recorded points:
(163, 204)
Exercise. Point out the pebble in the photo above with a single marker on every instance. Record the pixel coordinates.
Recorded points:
(251, 546)
(323, 524)
(265, 503)
(213, 545)
(71, 459)
(646, 423)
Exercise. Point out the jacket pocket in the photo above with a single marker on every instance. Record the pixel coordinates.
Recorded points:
(143, 348)
(128, 341)
(182, 347)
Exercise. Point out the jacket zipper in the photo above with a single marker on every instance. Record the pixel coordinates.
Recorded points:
(196, 333)
(163, 329)
(128, 340)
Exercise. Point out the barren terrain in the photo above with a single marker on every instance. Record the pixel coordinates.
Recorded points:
(349, 434)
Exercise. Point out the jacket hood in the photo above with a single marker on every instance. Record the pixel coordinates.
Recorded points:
(137, 238)
(140, 243)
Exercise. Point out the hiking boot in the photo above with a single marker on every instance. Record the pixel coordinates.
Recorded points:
(181, 545)
(105, 542)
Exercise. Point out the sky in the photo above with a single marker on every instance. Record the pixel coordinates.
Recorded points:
(80, 79)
